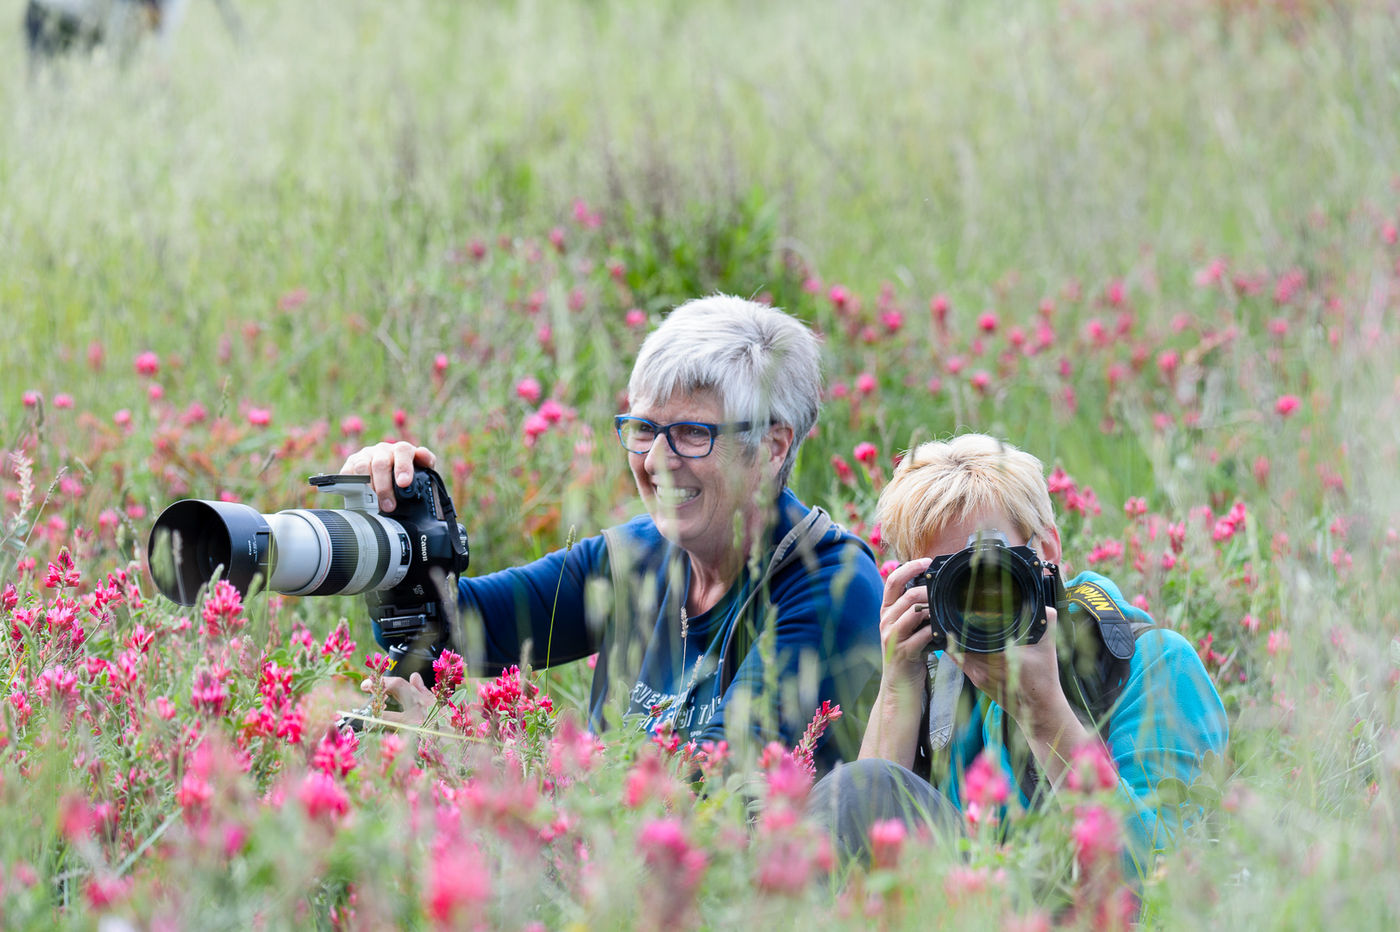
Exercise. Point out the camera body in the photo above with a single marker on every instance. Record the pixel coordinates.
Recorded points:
(401, 564)
(989, 595)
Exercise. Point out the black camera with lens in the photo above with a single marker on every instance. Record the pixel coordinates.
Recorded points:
(989, 595)
(401, 564)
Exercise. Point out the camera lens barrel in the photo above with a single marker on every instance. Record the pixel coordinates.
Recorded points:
(297, 552)
(324, 551)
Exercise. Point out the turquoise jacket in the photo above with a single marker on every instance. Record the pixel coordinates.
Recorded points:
(1167, 718)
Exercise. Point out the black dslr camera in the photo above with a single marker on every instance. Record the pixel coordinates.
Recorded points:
(402, 564)
(989, 595)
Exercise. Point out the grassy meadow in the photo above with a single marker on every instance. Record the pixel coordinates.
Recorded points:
(1155, 244)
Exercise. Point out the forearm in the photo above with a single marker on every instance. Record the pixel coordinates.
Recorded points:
(893, 731)
(1054, 741)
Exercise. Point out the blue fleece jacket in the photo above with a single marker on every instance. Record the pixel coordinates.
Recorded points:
(822, 611)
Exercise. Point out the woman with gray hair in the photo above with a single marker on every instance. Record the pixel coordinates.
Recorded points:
(730, 610)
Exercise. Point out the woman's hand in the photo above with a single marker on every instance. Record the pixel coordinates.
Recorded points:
(1024, 679)
(892, 732)
(905, 629)
(388, 464)
(415, 699)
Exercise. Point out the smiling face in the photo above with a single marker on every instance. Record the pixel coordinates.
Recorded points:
(702, 505)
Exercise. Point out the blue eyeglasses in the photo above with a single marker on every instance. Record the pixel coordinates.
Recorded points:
(690, 439)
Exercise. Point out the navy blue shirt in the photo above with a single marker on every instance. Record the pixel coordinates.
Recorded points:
(817, 620)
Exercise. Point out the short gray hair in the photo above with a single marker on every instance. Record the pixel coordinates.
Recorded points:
(762, 364)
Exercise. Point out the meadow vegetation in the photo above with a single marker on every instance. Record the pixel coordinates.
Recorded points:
(1156, 244)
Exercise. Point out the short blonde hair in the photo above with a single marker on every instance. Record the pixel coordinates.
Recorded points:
(942, 483)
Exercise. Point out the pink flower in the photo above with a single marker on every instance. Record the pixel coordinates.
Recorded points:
(459, 883)
(528, 389)
(31, 399)
(1287, 404)
(208, 694)
(292, 299)
(223, 610)
(987, 323)
(535, 425)
(666, 849)
(552, 411)
(886, 842)
(962, 882)
(938, 306)
(259, 417)
(1096, 834)
(843, 469)
(985, 784)
(103, 891)
(323, 798)
(122, 418)
(339, 643)
(866, 453)
(335, 755)
(352, 425)
(839, 296)
(865, 383)
(63, 400)
(147, 363)
(635, 318)
(448, 673)
(888, 567)
(1278, 642)
(676, 868)
(439, 363)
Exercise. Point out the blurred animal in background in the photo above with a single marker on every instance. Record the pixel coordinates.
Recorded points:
(54, 28)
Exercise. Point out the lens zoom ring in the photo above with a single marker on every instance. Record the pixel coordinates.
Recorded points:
(344, 555)
(382, 567)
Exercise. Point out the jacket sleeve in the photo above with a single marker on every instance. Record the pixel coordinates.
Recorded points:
(826, 645)
(544, 602)
(1168, 718)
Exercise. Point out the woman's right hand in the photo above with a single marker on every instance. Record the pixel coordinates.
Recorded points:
(388, 464)
(905, 631)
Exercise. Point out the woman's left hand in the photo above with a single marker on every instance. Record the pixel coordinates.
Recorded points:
(1024, 679)
(414, 698)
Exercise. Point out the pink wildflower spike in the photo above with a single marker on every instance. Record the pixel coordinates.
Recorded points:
(223, 610)
(147, 363)
(336, 753)
(449, 672)
(324, 799)
(677, 867)
(63, 574)
(528, 389)
(338, 642)
(802, 753)
(1096, 834)
(1287, 404)
(886, 842)
(985, 784)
